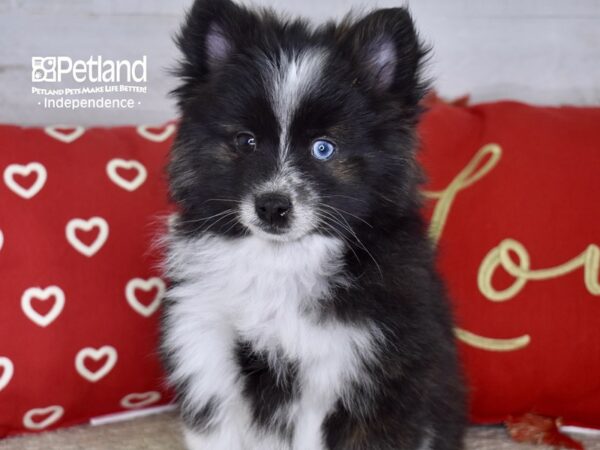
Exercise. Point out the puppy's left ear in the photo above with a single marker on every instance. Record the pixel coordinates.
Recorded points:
(386, 52)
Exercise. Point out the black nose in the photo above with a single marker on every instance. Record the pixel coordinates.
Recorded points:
(273, 208)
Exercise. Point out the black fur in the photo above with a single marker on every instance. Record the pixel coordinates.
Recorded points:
(267, 390)
(370, 110)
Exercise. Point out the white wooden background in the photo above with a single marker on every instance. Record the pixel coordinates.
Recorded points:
(542, 51)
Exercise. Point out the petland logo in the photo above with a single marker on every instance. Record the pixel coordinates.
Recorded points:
(55, 69)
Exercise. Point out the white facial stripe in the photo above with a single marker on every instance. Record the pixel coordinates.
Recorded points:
(289, 81)
(293, 78)
(285, 180)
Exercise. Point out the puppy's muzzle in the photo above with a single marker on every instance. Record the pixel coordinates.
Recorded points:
(273, 209)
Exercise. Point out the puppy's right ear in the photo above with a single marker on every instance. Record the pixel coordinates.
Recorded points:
(213, 30)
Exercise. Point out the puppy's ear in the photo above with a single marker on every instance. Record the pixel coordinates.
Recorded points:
(386, 53)
(213, 30)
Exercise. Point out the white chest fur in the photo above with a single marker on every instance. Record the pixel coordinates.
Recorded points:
(262, 292)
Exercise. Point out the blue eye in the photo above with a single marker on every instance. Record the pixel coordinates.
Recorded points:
(323, 150)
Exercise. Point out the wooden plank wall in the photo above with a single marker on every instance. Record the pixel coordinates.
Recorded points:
(541, 51)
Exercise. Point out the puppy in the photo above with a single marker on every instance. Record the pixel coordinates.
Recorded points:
(305, 312)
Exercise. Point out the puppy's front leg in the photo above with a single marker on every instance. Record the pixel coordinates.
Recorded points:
(206, 378)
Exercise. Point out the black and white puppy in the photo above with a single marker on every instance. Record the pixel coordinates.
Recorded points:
(305, 312)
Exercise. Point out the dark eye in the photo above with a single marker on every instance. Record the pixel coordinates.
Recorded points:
(245, 142)
(322, 149)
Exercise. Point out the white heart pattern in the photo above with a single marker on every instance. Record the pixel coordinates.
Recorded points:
(96, 353)
(65, 133)
(7, 372)
(129, 185)
(53, 413)
(87, 225)
(43, 320)
(146, 285)
(146, 132)
(139, 400)
(1, 239)
(25, 170)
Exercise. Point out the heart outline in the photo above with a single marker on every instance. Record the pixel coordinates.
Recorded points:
(7, 374)
(145, 285)
(144, 131)
(96, 354)
(25, 170)
(86, 225)
(147, 398)
(56, 411)
(67, 138)
(128, 185)
(43, 294)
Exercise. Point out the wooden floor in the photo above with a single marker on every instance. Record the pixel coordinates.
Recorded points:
(162, 432)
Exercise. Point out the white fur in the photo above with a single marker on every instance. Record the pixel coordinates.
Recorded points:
(290, 81)
(264, 292)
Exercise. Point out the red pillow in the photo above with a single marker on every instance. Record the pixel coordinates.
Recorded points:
(80, 283)
(514, 193)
